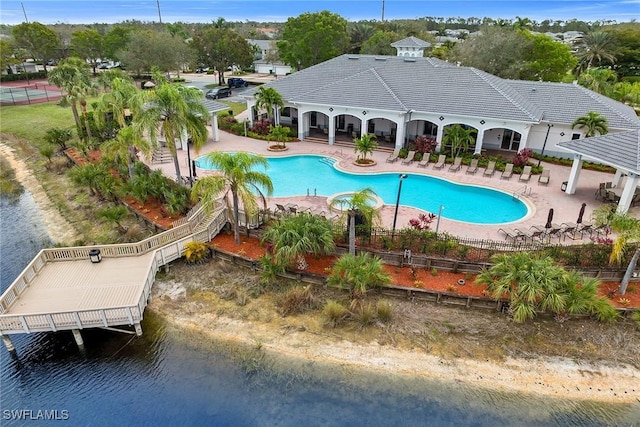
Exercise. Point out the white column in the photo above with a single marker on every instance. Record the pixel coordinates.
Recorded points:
(215, 134)
(617, 178)
(576, 167)
(401, 132)
(364, 126)
(628, 192)
(332, 130)
(184, 138)
(250, 106)
(302, 125)
(479, 141)
(439, 136)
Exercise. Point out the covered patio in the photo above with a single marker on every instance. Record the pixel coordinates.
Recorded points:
(619, 150)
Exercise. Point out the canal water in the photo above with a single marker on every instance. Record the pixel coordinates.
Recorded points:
(176, 377)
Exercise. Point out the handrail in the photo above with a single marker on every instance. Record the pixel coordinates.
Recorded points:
(521, 191)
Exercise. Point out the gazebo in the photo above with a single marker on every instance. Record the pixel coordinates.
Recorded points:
(620, 150)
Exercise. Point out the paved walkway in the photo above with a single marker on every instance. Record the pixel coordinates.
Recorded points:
(541, 198)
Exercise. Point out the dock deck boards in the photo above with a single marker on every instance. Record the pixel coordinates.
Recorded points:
(79, 285)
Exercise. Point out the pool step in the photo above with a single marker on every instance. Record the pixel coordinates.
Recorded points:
(327, 161)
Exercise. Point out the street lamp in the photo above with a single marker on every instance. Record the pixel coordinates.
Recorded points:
(395, 215)
(439, 215)
(189, 140)
(544, 144)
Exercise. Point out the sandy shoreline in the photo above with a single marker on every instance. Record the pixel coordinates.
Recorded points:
(557, 377)
(60, 231)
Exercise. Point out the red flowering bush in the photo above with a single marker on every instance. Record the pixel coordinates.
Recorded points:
(423, 222)
(521, 158)
(261, 127)
(424, 144)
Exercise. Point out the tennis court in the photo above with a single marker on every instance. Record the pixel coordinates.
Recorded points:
(23, 94)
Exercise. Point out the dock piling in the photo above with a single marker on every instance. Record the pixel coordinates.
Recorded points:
(78, 337)
(138, 329)
(8, 343)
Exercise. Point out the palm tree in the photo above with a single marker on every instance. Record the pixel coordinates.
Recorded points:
(365, 145)
(238, 177)
(360, 204)
(178, 110)
(115, 215)
(596, 47)
(294, 236)
(535, 284)
(458, 138)
(125, 146)
(628, 233)
(269, 98)
(359, 32)
(601, 80)
(358, 273)
(73, 76)
(593, 123)
(279, 134)
(523, 24)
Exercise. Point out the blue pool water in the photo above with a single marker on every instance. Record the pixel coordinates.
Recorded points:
(297, 175)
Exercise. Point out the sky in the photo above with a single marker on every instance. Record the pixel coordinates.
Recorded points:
(111, 11)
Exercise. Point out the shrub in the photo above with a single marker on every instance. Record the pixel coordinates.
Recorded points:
(297, 300)
(335, 313)
(385, 311)
(196, 252)
(261, 127)
(636, 317)
(358, 273)
(363, 314)
(425, 145)
(521, 158)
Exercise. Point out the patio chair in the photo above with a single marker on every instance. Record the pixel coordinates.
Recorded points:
(440, 163)
(525, 176)
(425, 160)
(543, 179)
(585, 227)
(473, 167)
(409, 158)
(394, 156)
(491, 169)
(508, 171)
(457, 164)
(537, 232)
(510, 233)
(569, 229)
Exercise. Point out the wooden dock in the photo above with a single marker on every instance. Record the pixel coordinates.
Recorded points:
(62, 289)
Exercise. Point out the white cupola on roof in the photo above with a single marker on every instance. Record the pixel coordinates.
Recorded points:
(411, 46)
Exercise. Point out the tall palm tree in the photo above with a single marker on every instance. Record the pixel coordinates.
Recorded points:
(360, 203)
(359, 32)
(293, 236)
(73, 76)
(236, 175)
(596, 47)
(593, 122)
(365, 145)
(458, 138)
(269, 98)
(177, 110)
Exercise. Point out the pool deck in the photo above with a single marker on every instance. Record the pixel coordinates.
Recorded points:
(540, 198)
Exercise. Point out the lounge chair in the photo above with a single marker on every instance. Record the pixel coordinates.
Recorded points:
(425, 160)
(440, 163)
(585, 227)
(394, 156)
(491, 169)
(473, 167)
(457, 164)
(508, 171)
(543, 179)
(525, 176)
(409, 158)
(510, 233)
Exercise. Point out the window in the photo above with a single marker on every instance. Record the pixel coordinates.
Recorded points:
(286, 112)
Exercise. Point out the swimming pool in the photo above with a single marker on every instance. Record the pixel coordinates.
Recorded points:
(302, 174)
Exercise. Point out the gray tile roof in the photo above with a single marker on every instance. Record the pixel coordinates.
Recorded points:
(434, 86)
(564, 102)
(620, 150)
(214, 106)
(411, 42)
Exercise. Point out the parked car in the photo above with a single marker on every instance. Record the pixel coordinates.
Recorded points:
(237, 82)
(218, 92)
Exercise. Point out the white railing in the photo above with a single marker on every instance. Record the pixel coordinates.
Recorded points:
(524, 191)
(168, 247)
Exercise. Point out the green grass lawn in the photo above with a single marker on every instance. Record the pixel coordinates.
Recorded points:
(32, 121)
